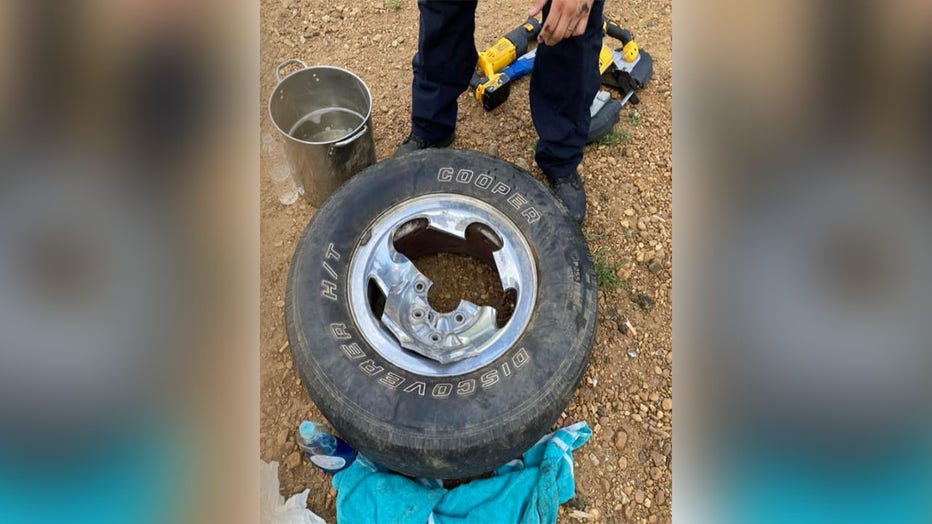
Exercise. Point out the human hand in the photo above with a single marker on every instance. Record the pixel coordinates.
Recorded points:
(567, 18)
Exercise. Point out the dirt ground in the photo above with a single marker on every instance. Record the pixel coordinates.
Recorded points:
(624, 473)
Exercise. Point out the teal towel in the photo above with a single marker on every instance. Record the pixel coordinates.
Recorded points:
(522, 491)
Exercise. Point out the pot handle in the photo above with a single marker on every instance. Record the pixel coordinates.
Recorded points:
(286, 63)
(347, 141)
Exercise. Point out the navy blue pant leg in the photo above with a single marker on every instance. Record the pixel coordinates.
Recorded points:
(443, 65)
(564, 82)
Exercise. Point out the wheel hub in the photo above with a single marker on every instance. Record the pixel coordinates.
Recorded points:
(444, 337)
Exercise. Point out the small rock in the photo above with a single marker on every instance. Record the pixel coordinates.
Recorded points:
(621, 439)
(595, 513)
(401, 39)
(639, 496)
(283, 437)
(623, 463)
(325, 19)
(655, 473)
(377, 38)
(660, 497)
(280, 303)
(594, 459)
(629, 212)
(632, 353)
(293, 461)
(655, 266)
(577, 502)
(644, 301)
(658, 459)
(521, 163)
(493, 150)
(395, 43)
(667, 404)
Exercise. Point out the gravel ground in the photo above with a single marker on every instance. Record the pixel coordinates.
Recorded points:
(624, 473)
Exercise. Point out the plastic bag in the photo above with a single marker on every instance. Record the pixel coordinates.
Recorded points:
(273, 508)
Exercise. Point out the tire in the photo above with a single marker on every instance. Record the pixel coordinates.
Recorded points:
(427, 425)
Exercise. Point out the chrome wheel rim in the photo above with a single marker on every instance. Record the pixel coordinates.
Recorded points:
(410, 333)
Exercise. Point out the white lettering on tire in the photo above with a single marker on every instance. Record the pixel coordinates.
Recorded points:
(441, 390)
(485, 181)
(466, 387)
(328, 287)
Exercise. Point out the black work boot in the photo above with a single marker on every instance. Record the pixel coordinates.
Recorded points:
(415, 143)
(570, 190)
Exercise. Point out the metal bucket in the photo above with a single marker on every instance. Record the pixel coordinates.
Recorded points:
(324, 114)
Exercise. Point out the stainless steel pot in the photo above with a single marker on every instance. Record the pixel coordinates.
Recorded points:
(324, 114)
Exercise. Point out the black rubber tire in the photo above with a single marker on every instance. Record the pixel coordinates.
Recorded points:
(452, 427)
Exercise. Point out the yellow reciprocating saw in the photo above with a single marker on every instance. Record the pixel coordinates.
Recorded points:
(503, 53)
(628, 68)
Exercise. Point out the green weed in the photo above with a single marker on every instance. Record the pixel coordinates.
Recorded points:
(605, 270)
(615, 137)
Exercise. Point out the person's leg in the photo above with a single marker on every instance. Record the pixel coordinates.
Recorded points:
(564, 82)
(443, 66)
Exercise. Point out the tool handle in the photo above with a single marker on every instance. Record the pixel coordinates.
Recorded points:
(613, 30)
(286, 63)
(521, 67)
(347, 141)
(522, 35)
